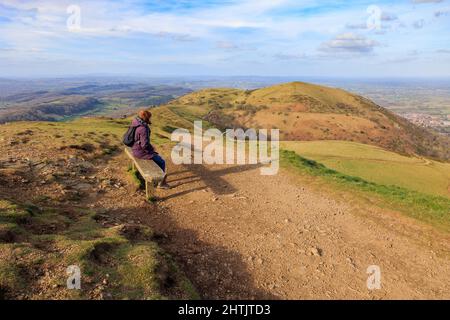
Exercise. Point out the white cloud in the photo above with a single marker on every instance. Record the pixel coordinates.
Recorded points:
(426, 1)
(349, 43)
(289, 56)
(419, 24)
(441, 13)
(227, 45)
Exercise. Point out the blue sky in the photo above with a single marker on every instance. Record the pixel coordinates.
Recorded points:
(403, 38)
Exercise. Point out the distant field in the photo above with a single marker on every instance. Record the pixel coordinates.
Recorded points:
(377, 165)
(191, 113)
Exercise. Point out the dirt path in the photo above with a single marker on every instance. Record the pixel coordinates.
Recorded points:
(238, 234)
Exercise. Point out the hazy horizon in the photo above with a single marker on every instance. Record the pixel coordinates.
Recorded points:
(206, 77)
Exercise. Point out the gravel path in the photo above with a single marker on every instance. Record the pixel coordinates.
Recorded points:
(238, 234)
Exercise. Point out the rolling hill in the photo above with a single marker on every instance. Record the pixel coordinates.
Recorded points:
(52, 109)
(60, 101)
(310, 112)
(66, 198)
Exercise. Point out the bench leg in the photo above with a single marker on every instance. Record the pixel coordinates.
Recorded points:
(149, 190)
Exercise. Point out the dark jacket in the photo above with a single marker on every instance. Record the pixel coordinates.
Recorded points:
(142, 148)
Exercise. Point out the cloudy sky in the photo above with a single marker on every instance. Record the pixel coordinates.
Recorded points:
(338, 38)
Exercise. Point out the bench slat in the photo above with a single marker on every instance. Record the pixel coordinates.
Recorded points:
(148, 169)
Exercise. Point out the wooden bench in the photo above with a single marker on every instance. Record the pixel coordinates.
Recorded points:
(149, 170)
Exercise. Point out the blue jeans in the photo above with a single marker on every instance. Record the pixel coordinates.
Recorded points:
(160, 162)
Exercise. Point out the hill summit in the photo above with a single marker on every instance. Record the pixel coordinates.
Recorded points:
(304, 111)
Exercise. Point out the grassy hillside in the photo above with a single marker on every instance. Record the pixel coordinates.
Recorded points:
(309, 112)
(66, 199)
(431, 209)
(377, 165)
(416, 186)
(37, 244)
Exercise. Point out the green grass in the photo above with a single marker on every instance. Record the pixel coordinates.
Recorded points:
(140, 182)
(377, 165)
(10, 212)
(431, 209)
(191, 113)
(135, 265)
(136, 177)
(45, 238)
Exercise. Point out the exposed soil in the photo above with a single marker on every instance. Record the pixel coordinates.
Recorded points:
(240, 235)
(56, 188)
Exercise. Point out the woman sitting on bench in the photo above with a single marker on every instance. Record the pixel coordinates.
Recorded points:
(142, 148)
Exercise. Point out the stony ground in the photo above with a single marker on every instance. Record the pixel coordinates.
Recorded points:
(67, 202)
(237, 234)
(242, 235)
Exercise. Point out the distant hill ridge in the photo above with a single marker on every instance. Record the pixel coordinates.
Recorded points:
(63, 102)
(304, 111)
(51, 110)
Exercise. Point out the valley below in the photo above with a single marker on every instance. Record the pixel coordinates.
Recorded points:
(68, 99)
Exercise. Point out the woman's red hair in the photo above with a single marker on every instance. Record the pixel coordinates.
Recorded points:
(145, 115)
